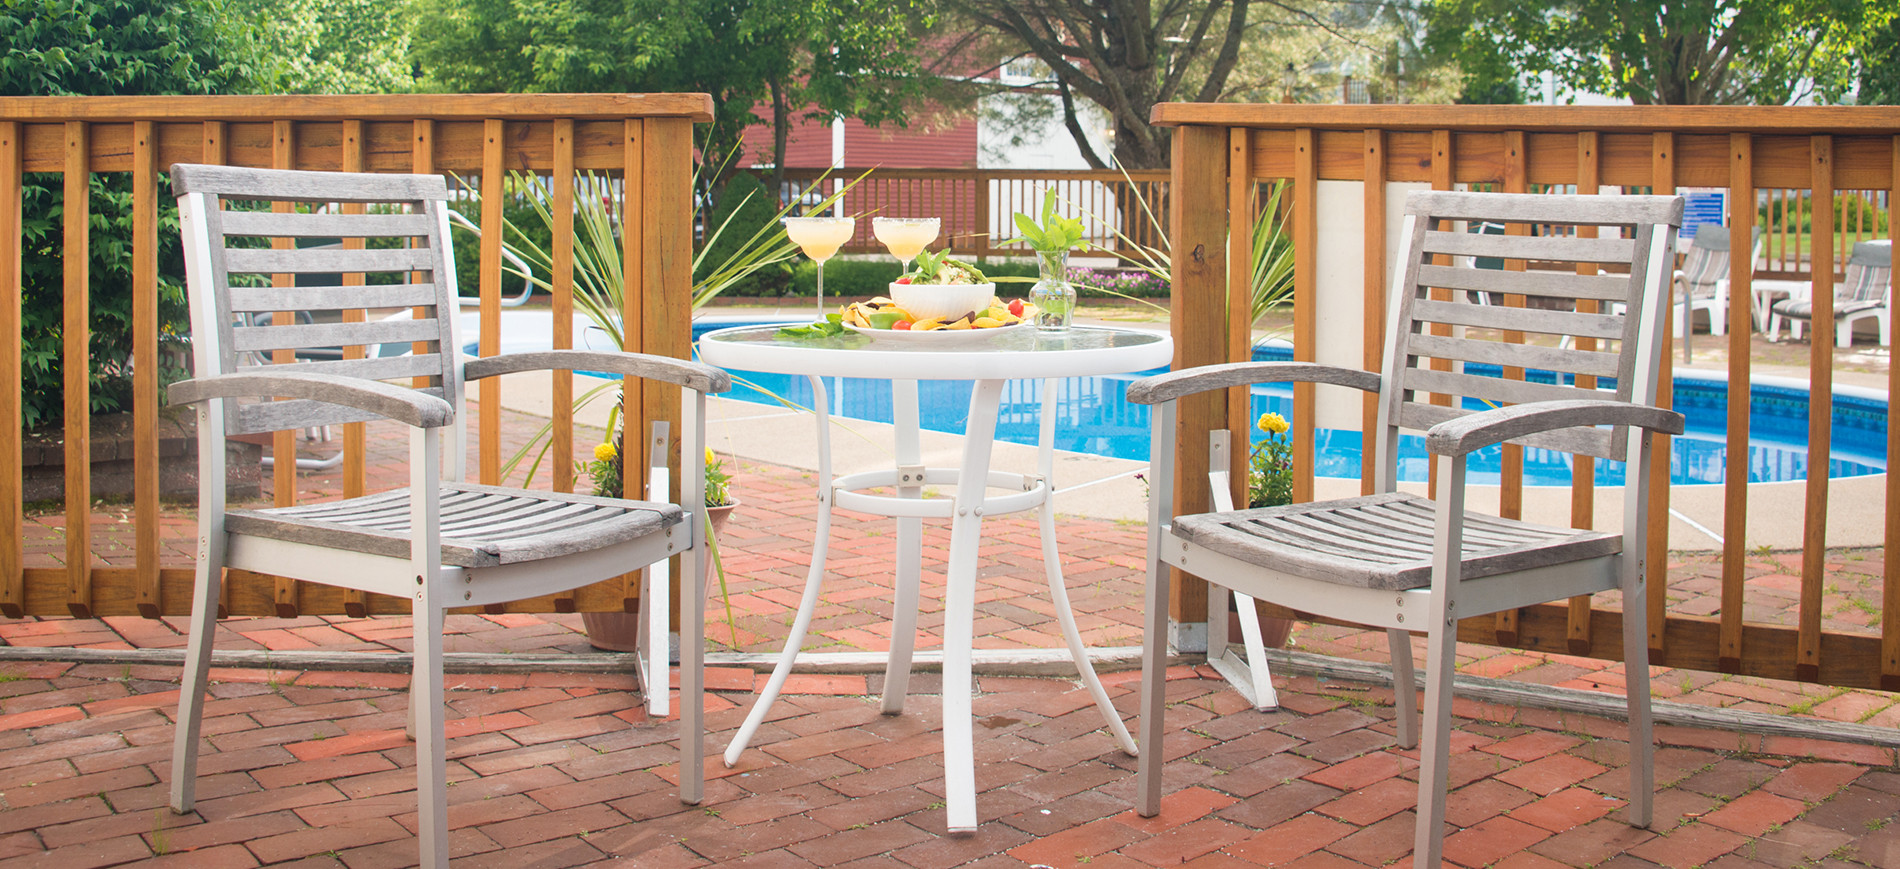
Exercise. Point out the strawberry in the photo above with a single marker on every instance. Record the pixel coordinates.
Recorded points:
(903, 280)
(1016, 307)
(901, 325)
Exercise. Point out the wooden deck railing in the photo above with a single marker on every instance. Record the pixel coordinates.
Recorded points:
(646, 139)
(1347, 165)
(976, 204)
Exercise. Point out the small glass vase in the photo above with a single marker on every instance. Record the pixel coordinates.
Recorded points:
(1053, 295)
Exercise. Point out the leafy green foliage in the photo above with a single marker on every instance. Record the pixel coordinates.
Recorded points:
(332, 46)
(1055, 234)
(849, 57)
(1704, 52)
(939, 268)
(102, 47)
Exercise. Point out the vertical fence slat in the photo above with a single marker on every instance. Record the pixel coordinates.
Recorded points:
(1198, 274)
(1662, 179)
(1241, 189)
(76, 361)
(12, 456)
(1372, 331)
(1511, 482)
(284, 443)
(145, 516)
(422, 162)
(493, 193)
(1305, 303)
(1890, 599)
(632, 327)
(355, 434)
(562, 281)
(1583, 468)
(1735, 470)
(1807, 665)
(665, 296)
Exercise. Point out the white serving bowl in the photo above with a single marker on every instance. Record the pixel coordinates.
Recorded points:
(942, 300)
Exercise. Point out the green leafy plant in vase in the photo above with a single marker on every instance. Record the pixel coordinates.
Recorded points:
(1052, 238)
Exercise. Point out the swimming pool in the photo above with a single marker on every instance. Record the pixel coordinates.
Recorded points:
(1093, 416)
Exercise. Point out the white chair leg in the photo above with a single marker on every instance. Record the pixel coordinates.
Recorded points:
(1435, 753)
(426, 704)
(1716, 326)
(191, 697)
(1404, 687)
(1265, 698)
(1844, 334)
(1642, 741)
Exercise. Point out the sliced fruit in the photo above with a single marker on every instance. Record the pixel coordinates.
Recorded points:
(1016, 307)
(884, 319)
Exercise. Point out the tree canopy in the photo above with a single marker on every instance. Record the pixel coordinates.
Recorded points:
(1126, 56)
(332, 46)
(847, 57)
(1653, 52)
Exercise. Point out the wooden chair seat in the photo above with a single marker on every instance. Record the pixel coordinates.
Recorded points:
(1383, 541)
(482, 526)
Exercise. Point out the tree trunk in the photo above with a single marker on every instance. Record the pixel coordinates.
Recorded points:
(781, 133)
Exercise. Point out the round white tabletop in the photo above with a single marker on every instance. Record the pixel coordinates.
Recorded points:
(1006, 355)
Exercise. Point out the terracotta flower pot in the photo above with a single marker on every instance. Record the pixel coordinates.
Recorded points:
(620, 632)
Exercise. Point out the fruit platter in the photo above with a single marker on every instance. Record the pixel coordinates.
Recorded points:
(884, 315)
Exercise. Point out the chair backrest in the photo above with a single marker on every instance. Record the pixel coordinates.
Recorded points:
(1869, 275)
(1573, 293)
(252, 235)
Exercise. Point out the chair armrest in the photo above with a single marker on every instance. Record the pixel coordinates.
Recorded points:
(1175, 384)
(1479, 430)
(692, 375)
(399, 403)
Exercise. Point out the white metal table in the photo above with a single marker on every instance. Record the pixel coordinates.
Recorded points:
(990, 360)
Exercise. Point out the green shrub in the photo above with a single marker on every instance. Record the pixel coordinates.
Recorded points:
(1850, 210)
(99, 48)
(743, 209)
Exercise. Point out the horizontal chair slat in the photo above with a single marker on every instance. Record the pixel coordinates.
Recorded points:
(1491, 388)
(1514, 355)
(372, 368)
(305, 186)
(249, 299)
(321, 260)
(1609, 326)
(1550, 247)
(1555, 285)
(1583, 441)
(1539, 208)
(324, 225)
(252, 339)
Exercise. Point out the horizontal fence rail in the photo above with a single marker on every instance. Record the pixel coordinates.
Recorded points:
(644, 140)
(1819, 180)
(1122, 210)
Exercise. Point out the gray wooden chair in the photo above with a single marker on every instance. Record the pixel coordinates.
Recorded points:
(1407, 563)
(441, 542)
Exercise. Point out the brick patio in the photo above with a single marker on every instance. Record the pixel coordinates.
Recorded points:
(559, 769)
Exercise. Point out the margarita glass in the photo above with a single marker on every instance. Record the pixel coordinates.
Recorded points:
(820, 238)
(905, 237)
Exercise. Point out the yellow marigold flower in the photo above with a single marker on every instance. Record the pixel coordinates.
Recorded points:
(604, 452)
(712, 458)
(1273, 423)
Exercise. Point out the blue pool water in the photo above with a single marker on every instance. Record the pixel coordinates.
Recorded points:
(1094, 417)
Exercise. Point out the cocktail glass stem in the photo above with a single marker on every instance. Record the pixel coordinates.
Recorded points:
(821, 288)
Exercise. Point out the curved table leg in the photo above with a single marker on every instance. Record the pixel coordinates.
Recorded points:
(966, 534)
(1052, 566)
(808, 603)
(910, 544)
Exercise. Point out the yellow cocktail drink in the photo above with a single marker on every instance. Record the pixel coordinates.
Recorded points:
(905, 237)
